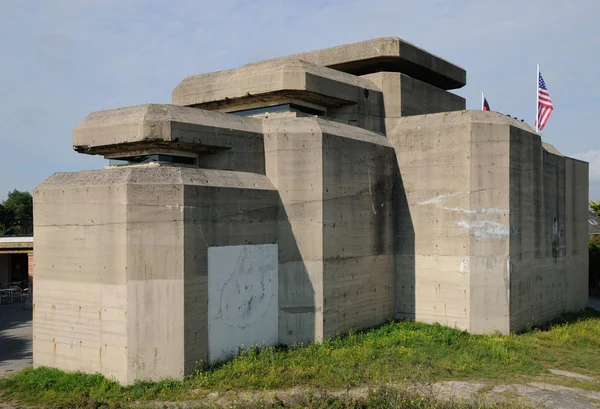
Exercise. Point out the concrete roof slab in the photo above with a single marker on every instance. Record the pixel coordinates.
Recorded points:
(388, 54)
(269, 80)
(153, 125)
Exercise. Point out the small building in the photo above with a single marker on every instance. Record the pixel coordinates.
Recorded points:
(16, 259)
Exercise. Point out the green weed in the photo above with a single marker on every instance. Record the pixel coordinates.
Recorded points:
(397, 352)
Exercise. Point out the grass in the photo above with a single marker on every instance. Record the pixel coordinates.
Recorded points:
(391, 354)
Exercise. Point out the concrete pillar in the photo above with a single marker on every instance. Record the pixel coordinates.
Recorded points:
(336, 255)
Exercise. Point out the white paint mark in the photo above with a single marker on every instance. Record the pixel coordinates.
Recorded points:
(242, 298)
(202, 235)
(486, 228)
(464, 266)
(438, 199)
(370, 192)
(377, 49)
(179, 207)
(484, 210)
(176, 207)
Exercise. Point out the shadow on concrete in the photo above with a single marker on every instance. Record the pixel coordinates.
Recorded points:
(405, 250)
(265, 221)
(297, 294)
(15, 337)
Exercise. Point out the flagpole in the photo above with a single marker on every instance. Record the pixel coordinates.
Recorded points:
(482, 99)
(537, 98)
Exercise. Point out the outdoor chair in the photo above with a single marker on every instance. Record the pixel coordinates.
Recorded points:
(25, 294)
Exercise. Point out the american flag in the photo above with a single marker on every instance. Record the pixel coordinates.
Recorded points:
(544, 104)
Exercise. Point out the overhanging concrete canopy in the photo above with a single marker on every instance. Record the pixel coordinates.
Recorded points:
(169, 126)
(388, 54)
(274, 80)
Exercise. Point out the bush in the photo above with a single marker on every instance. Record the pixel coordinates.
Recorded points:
(594, 247)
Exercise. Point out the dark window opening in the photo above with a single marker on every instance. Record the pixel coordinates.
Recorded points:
(152, 158)
(278, 108)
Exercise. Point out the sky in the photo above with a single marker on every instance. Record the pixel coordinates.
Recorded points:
(62, 59)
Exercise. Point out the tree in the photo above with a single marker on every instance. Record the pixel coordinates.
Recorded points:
(16, 213)
(6, 218)
(595, 206)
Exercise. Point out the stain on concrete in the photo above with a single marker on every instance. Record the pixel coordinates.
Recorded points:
(487, 228)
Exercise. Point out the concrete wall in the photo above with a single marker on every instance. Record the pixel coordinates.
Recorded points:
(405, 96)
(110, 292)
(492, 213)
(431, 225)
(576, 207)
(80, 297)
(294, 163)
(109, 284)
(154, 260)
(488, 221)
(358, 240)
(220, 208)
(549, 257)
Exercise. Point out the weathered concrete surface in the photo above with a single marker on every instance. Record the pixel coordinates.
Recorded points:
(336, 255)
(131, 243)
(220, 209)
(221, 141)
(405, 96)
(275, 79)
(377, 205)
(15, 337)
(577, 225)
(549, 255)
(388, 54)
(486, 205)
(337, 95)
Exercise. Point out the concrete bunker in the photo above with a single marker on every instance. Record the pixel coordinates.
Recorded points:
(290, 199)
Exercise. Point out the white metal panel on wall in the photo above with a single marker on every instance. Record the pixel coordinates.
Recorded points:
(242, 298)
